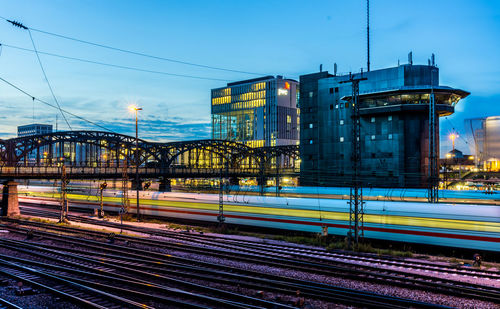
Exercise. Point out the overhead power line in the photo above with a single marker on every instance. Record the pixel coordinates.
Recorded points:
(47, 80)
(135, 52)
(113, 65)
(53, 106)
(20, 25)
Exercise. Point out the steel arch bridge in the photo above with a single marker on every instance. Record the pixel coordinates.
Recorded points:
(105, 154)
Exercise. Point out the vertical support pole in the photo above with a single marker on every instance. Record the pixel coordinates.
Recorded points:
(433, 194)
(137, 184)
(101, 188)
(221, 217)
(125, 200)
(356, 203)
(64, 200)
(277, 182)
(368, 34)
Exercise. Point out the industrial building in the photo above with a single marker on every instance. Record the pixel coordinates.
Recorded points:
(486, 135)
(33, 129)
(394, 125)
(258, 112)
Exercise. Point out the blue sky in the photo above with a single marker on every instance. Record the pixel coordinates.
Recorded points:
(288, 38)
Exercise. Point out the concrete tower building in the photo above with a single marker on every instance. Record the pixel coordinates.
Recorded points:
(394, 107)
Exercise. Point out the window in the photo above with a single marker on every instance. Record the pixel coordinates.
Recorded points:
(310, 126)
(389, 118)
(336, 106)
(341, 139)
(347, 105)
(311, 94)
(288, 119)
(373, 155)
(373, 137)
(331, 106)
(331, 90)
(390, 136)
(310, 141)
(372, 119)
(341, 122)
(336, 89)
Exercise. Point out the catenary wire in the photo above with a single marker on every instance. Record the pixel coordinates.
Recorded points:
(141, 54)
(51, 105)
(47, 80)
(113, 65)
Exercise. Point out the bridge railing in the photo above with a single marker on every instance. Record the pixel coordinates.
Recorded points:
(117, 172)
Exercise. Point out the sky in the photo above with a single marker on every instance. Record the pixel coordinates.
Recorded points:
(259, 37)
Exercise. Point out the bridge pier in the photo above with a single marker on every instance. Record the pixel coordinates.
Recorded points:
(165, 185)
(10, 202)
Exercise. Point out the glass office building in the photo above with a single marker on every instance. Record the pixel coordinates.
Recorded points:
(258, 112)
(394, 112)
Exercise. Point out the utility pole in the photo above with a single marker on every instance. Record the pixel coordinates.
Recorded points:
(356, 203)
(101, 189)
(64, 201)
(368, 34)
(137, 184)
(125, 200)
(221, 217)
(433, 194)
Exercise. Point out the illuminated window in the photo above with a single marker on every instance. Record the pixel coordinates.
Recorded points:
(288, 119)
(341, 139)
(341, 122)
(372, 119)
(373, 137)
(311, 141)
(389, 118)
(311, 94)
(310, 126)
(389, 136)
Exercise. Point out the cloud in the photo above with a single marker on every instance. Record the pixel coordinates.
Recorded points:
(154, 123)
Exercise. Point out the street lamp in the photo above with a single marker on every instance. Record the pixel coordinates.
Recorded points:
(136, 109)
(453, 136)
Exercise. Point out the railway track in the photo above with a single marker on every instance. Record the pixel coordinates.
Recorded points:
(372, 274)
(310, 254)
(111, 255)
(5, 304)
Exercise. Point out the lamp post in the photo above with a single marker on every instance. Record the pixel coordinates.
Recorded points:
(136, 109)
(453, 136)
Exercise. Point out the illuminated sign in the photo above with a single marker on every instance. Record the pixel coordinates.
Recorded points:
(282, 91)
(287, 85)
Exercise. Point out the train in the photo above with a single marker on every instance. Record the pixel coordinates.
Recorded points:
(470, 226)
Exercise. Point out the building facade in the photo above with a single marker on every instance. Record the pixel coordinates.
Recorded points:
(258, 112)
(394, 126)
(486, 135)
(33, 129)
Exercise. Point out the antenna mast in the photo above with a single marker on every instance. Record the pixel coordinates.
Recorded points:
(368, 33)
